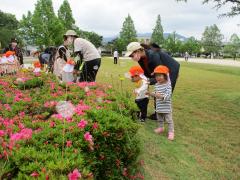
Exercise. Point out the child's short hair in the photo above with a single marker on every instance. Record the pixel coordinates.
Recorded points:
(164, 75)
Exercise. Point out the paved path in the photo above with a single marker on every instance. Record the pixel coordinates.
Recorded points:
(213, 61)
(29, 60)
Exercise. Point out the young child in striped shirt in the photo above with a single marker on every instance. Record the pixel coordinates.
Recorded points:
(163, 93)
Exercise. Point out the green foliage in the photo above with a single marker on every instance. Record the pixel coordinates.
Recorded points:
(233, 47)
(43, 27)
(115, 144)
(65, 15)
(31, 83)
(234, 6)
(172, 43)
(128, 32)
(91, 36)
(192, 46)
(212, 39)
(157, 35)
(8, 28)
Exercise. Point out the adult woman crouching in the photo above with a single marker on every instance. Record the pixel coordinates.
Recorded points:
(149, 59)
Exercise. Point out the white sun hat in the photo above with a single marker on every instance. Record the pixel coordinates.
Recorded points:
(133, 46)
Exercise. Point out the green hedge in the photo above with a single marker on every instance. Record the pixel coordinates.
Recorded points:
(37, 142)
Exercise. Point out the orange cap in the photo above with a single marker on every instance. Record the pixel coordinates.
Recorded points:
(161, 69)
(9, 53)
(70, 61)
(136, 70)
(37, 64)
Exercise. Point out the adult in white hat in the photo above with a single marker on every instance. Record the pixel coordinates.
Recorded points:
(90, 59)
(149, 59)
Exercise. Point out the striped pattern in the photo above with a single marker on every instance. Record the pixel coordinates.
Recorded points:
(164, 105)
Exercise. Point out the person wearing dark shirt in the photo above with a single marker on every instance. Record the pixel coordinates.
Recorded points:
(149, 59)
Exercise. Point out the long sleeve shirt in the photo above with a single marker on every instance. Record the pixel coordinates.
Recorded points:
(163, 105)
(142, 88)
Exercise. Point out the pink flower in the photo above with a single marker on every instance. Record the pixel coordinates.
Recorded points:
(82, 124)
(52, 86)
(69, 143)
(16, 99)
(88, 137)
(75, 175)
(23, 134)
(21, 125)
(22, 114)
(34, 174)
(58, 116)
(2, 133)
(95, 125)
(7, 107)
(52, 124)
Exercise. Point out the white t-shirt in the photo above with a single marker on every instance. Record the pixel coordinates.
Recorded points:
(88, 50)
(115, 54)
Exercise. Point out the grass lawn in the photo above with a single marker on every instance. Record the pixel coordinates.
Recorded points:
(206, 105)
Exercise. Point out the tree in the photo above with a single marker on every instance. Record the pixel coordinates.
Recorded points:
(128, 32)
(233, 47)
(235, 6)
(91, 36)
(192, 46)
(65, 16)
(47, 28)
(9, 25)
(172, 44)
(157, 35)
(119, 44)
(212, 39)
(26, 30)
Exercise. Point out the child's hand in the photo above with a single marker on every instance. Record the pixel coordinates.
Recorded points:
(159, 96)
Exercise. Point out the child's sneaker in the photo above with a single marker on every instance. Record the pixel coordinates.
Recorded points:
(142, 120)
(171, 136)
(159, 130)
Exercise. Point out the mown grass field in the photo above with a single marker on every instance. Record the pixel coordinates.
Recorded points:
(206, 105)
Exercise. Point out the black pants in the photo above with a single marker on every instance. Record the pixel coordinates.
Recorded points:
(142, 105)
(115, 60)
(89, 70)
(173, 79)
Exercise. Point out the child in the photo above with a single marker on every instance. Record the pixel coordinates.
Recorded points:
(67, 75)
(137, 76)
(37, 67)
(163, 92)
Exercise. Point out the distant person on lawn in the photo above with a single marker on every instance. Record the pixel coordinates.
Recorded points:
(149, 60)
(162, 93)
(137, 76)
(89, 58)
(115, 56)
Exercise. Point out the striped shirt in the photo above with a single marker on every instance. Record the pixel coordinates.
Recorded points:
(164, 105)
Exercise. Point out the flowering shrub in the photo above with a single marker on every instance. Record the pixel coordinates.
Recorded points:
(37, 141)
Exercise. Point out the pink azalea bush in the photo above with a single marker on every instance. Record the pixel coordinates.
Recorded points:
(97, 142)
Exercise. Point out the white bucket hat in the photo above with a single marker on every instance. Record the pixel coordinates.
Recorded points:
(133, 46)
(70, 33)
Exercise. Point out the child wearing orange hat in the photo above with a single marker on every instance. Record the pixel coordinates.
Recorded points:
(37, 67)
(137, 76)
(163, 93)
(67, 75)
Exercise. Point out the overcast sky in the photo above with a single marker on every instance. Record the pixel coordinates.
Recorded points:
(106, 16)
